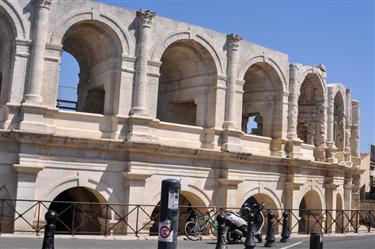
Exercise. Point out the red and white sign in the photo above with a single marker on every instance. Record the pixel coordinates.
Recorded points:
(165, 233)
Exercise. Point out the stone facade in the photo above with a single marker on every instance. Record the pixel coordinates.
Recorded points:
(163, 99)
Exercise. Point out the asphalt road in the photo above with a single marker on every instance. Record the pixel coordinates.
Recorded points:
(357, 242)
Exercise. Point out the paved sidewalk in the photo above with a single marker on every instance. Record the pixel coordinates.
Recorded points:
(362, 241)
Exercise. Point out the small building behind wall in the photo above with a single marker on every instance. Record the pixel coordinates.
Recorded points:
(159, 99)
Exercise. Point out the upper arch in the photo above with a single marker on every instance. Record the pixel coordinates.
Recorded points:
(318, 74)
(15, 18)
(263, 59)
(68, 20)
(158, 50)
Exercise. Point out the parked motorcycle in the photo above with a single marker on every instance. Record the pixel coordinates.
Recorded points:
(237, 223)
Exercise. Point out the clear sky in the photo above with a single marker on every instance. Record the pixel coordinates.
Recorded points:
(339, 34)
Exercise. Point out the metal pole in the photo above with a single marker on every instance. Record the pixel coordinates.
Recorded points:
(49, 230)
(169, 214)
(316, 241)
(220, 243)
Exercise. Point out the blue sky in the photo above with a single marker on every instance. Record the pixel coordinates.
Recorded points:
(339, 34)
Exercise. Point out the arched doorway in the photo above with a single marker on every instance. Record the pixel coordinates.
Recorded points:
(269, 204)
(187, 74)
(311, 111)
(7, 50)
(98, 52)
(310, 210)
(339, 214)
(80, 211)
(339, 122)
(262, 101)
(189, 206)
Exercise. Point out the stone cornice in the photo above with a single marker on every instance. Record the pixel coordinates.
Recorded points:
(161, 150)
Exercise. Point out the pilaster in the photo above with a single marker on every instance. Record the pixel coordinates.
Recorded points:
(27, 174)
(229, 188)
(134, 191)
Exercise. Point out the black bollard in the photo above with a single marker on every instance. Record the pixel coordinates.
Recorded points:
(250, 240)
(169, 213)
(316, 241)
(49, 230)
(270, 238)
(285, 233)
(220, 244)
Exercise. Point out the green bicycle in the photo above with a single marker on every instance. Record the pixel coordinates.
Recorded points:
(201, 224)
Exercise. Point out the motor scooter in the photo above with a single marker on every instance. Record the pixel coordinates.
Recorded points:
(236, 223)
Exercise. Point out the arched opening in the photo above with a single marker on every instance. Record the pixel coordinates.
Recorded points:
(190, 205)
(339, 122)
(269, 204)
(262, 101)
(186, 75)
(7, 49)
(69, 78)
(98, 52)
(310, 127)
(80, 211)
(310, 210)
(339, 214)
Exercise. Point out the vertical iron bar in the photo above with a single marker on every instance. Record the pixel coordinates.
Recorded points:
(136, 222)
(343, 224)
(106, 220)
(326, 221)
(38, 220)
(356, 222)
(369, 221)
(74, 214)
(308, 221)
(2, 215)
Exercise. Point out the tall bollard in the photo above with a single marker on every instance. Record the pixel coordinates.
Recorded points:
(270, 238)
(285, 233)
(220, 243)
(49, 230)
(250, 239)
(168, 223)
(316, 241)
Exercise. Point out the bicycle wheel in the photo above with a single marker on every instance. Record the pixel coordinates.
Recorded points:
(192, 231)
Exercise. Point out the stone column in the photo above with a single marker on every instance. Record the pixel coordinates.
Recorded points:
(141, 83)
(293, 101)
(134, 186)
(355, 129)
(33, 94)
(232, 56)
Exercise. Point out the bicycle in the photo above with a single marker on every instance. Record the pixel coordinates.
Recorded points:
(194, 229)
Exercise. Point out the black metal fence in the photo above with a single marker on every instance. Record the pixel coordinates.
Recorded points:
(27, 216)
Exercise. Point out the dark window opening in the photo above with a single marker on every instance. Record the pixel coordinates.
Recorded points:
(181, 113)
